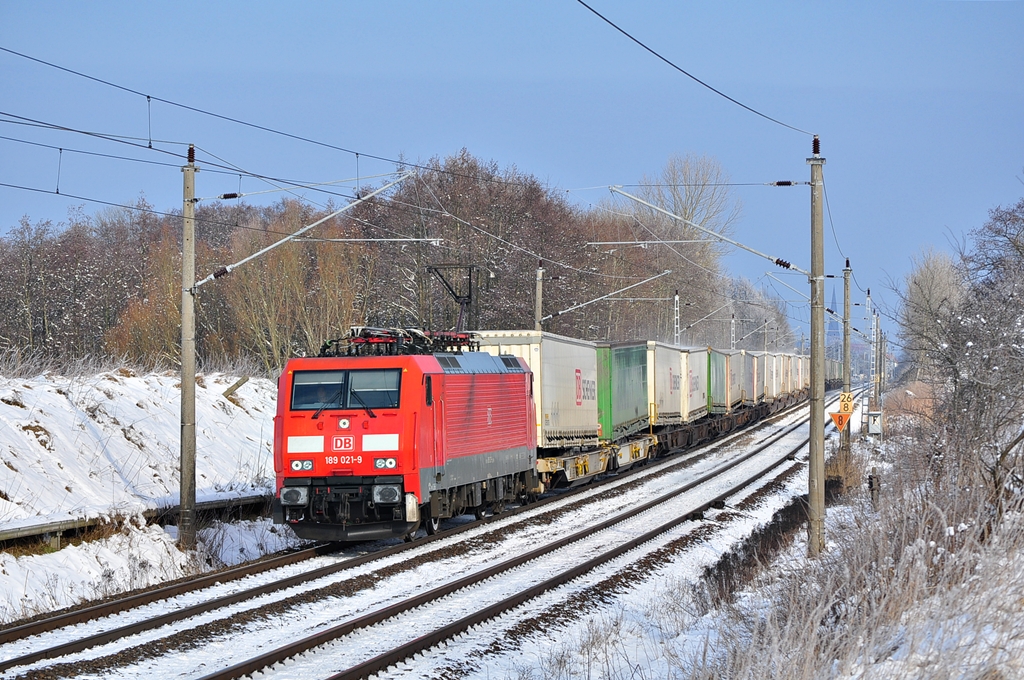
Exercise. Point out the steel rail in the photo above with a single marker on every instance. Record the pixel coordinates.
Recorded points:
(107, 608)
(282, 653)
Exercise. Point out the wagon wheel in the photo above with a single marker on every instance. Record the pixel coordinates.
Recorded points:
(497, 507)
(411, 536)
(480, 511)
(433, 525)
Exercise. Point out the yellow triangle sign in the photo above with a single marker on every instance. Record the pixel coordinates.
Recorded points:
(840, 419)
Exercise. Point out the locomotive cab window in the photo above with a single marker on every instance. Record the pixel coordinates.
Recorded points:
(357, 389)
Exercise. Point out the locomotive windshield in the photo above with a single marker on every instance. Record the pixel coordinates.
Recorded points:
(358, 389)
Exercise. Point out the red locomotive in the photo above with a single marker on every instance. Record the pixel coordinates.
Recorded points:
(398, 429)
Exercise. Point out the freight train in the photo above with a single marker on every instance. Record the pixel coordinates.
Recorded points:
(392, 429)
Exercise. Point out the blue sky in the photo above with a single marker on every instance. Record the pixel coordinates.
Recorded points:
(919, 105)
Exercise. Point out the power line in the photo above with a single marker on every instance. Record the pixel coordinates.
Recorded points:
(357, 154)
(99, 135)
(690, 75)
(700, 184)
(151, 211)
(102, 155)
(117, 205)
(226, 167)
(831, 223)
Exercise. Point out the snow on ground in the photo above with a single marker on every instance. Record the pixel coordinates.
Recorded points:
(107, 446)
(76, 448)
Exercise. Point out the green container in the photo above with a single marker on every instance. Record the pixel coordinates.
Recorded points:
(718, 381)
(622, 407)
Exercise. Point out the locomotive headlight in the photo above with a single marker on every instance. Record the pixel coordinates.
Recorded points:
(300, 465)
(343, 423)
(294, 495)
(387, 494)
(385, 463)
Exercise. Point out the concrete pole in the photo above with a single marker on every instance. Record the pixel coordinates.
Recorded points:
(844, 437)
(675, 335)
(186, 520)
(875, 364)
(765, 338)
(538, 299)
(871, 362)
(816, 472)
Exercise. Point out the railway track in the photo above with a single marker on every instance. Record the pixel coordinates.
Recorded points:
(469, 537)
(566, 571)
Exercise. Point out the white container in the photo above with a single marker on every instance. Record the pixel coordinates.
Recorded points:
(748, 376)
(666, 366)
(564, 383)
(695, 368)
(772, 378)
(760, 365)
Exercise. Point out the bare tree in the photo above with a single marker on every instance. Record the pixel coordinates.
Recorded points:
(971, 342)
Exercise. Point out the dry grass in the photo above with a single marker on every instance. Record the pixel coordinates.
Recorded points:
(912, 589)
(846, 466)
(19, 363)
(914, 400)
(41, 545)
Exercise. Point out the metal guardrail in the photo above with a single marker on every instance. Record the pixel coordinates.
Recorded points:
(56, 528)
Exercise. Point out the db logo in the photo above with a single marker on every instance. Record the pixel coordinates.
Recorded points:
(579, 387)
(343, 442)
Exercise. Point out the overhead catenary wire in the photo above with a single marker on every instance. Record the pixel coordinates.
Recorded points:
(264, 128)
(99, 135)
(712, 272)
(160, 213)
(652, 233)
(779, 261)
(104, 155)
(784, 183)
(690, 75)
(224, 167)
(149, 141)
